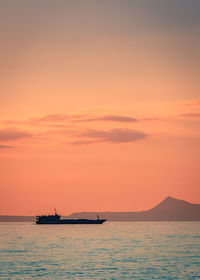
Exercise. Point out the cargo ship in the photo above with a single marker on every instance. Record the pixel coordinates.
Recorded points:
(56, 220)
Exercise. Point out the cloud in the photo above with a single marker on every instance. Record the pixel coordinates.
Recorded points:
(11, 122)
(82, 142)
(64, 120)
(52, 118)
(59, 118)
(190, 115)
(112, 118)
(194, 103)
(5, 147)
(10, 134)
(118, 135)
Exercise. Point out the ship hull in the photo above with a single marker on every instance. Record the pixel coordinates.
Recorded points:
(71, 222)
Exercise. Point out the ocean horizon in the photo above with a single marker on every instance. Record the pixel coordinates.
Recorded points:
(114, 250)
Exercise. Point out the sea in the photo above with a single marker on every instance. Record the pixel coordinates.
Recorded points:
(113, 250)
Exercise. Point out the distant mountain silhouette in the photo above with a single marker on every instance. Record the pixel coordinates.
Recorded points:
(8, 218)
(170, 209)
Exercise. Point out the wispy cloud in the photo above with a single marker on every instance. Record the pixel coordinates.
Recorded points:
(60, 118)
(83, 142)
(111, 118)
(69, 121)
(118, 135)
(193, 103)
(10, 134)
(5, 147)
(52, 118)
(190, 115)
(11, 122)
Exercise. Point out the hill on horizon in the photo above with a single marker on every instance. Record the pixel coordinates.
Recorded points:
(170, 209)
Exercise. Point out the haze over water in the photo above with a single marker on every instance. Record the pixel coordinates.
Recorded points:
(122, 250)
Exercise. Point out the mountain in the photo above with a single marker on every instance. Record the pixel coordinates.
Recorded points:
(7, 218)
(170, 209)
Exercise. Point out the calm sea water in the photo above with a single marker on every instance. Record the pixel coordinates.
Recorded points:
(134, 250)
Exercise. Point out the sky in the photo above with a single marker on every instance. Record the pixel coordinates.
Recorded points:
(99, 104)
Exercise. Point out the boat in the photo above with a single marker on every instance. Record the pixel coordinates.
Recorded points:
(56, 220)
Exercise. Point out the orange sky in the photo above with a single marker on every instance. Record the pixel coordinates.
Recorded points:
(100, 105)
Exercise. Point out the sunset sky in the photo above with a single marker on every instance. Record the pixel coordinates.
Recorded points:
(99, 104)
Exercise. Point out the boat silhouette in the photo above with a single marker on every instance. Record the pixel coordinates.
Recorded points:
(56, 220)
